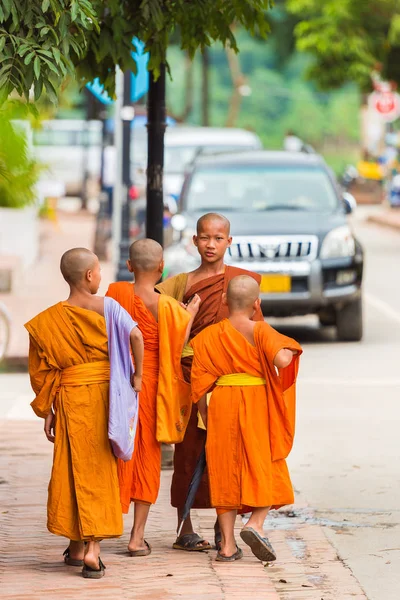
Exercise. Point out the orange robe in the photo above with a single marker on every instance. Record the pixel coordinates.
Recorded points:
(69, 370)
(162, 387)
(250, 428)
(211, 311)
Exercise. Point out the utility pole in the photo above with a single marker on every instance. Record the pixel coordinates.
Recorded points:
(127, 116)
(156, 125)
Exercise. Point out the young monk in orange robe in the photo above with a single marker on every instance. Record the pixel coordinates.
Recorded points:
(210, 282)
(70, 372)
(165, 326)
(249, 419)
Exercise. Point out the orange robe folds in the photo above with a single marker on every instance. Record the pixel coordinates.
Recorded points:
(211, 311)
(69, 370)
(163, 388)
(245, 453)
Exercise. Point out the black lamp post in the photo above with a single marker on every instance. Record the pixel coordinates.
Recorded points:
(156, 125)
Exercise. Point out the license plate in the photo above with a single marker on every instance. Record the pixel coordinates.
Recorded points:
(275, 284)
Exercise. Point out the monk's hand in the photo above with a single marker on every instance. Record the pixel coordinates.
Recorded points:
(49, 426)
(193, 306)
(137, 382)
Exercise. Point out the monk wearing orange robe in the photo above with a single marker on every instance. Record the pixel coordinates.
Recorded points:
(251, 371)
(70, 372)
(210, 282)
(165, 405)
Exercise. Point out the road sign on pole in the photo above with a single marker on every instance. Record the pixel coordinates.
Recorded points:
(386, 104)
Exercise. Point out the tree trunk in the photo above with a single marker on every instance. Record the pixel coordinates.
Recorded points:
(205, 89)
(155, 162)
(188, 107)
(238, 80)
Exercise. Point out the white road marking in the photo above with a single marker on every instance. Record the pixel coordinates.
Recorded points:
(383, 307)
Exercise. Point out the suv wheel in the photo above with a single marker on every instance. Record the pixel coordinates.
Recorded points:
(349, 322)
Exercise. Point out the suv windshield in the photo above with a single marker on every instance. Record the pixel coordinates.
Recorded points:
(249, 188)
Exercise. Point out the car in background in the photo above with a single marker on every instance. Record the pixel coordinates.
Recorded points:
(289, 223)
(183, 145)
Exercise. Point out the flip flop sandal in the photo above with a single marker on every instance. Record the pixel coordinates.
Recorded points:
(218, 540)
(144, 552)
(189, 542)
(260, 546)
(237, 556)
(90, 573)
(72, 562)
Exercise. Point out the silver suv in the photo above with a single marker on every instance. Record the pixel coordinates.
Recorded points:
(289, 224)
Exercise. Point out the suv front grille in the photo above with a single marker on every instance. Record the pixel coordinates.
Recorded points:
(274, 248)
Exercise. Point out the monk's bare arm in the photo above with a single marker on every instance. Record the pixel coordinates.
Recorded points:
(192, 308)
(137, 346)
(284, 357)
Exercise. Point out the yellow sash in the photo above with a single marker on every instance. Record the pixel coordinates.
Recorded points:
(233, 379)
(187, 351)
(86, 373)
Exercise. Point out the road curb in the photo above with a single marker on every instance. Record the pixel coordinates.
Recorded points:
(391, 220)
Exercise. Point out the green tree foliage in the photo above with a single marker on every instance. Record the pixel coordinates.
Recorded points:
(19, 172)
(348, 38)
(41, 41)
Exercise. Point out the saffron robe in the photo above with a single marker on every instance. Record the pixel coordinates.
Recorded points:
(163, 388)
(250, 428)
(69, 370)
(211, 311)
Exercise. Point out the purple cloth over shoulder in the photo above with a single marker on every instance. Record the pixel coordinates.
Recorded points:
(124, 401)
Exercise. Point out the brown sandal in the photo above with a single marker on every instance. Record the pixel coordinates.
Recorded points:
(145, 552)
(237, 556)
(72, 562)
(90, 573)
(190, 542)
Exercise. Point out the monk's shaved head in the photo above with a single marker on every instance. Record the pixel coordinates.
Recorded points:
(242, 292)
(75, 263)
(213, 217)
(145, 255)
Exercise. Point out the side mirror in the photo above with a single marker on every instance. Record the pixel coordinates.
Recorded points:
(350, 203)
(178, 222)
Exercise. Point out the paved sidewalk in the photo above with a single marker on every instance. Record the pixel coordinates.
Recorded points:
(387, 218)
(31, 566)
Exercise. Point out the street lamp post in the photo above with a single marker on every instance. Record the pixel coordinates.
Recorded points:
(156, 125)
(127, 115)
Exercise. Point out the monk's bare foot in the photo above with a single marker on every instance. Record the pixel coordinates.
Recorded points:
(92, 553)
(76, 550)
(256, 527)
(137, 543)
(228, 549)
(187, 529)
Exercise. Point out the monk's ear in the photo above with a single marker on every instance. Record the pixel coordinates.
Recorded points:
(129, 266)
(195, 240)
(257, 304)
(224, 299)
(161, 267)
(229, 241)
(89, 275)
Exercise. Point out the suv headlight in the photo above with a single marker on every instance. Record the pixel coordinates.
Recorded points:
(339, 243)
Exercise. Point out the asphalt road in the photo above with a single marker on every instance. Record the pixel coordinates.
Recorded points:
(346, 459)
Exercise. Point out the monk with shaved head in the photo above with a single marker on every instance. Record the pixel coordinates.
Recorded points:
(209, 281)
(69, 367)
(165, 403)
(250, 370)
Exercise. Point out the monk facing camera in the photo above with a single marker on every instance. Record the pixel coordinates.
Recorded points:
(69, 369)
(243, 380)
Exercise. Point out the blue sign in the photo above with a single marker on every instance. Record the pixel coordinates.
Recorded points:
(139, 82)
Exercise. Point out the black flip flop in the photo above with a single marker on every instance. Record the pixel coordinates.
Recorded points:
(90, 573)
(189, 542)
(145, 552)
(72, 562)
(237, 556)
(260, 546)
